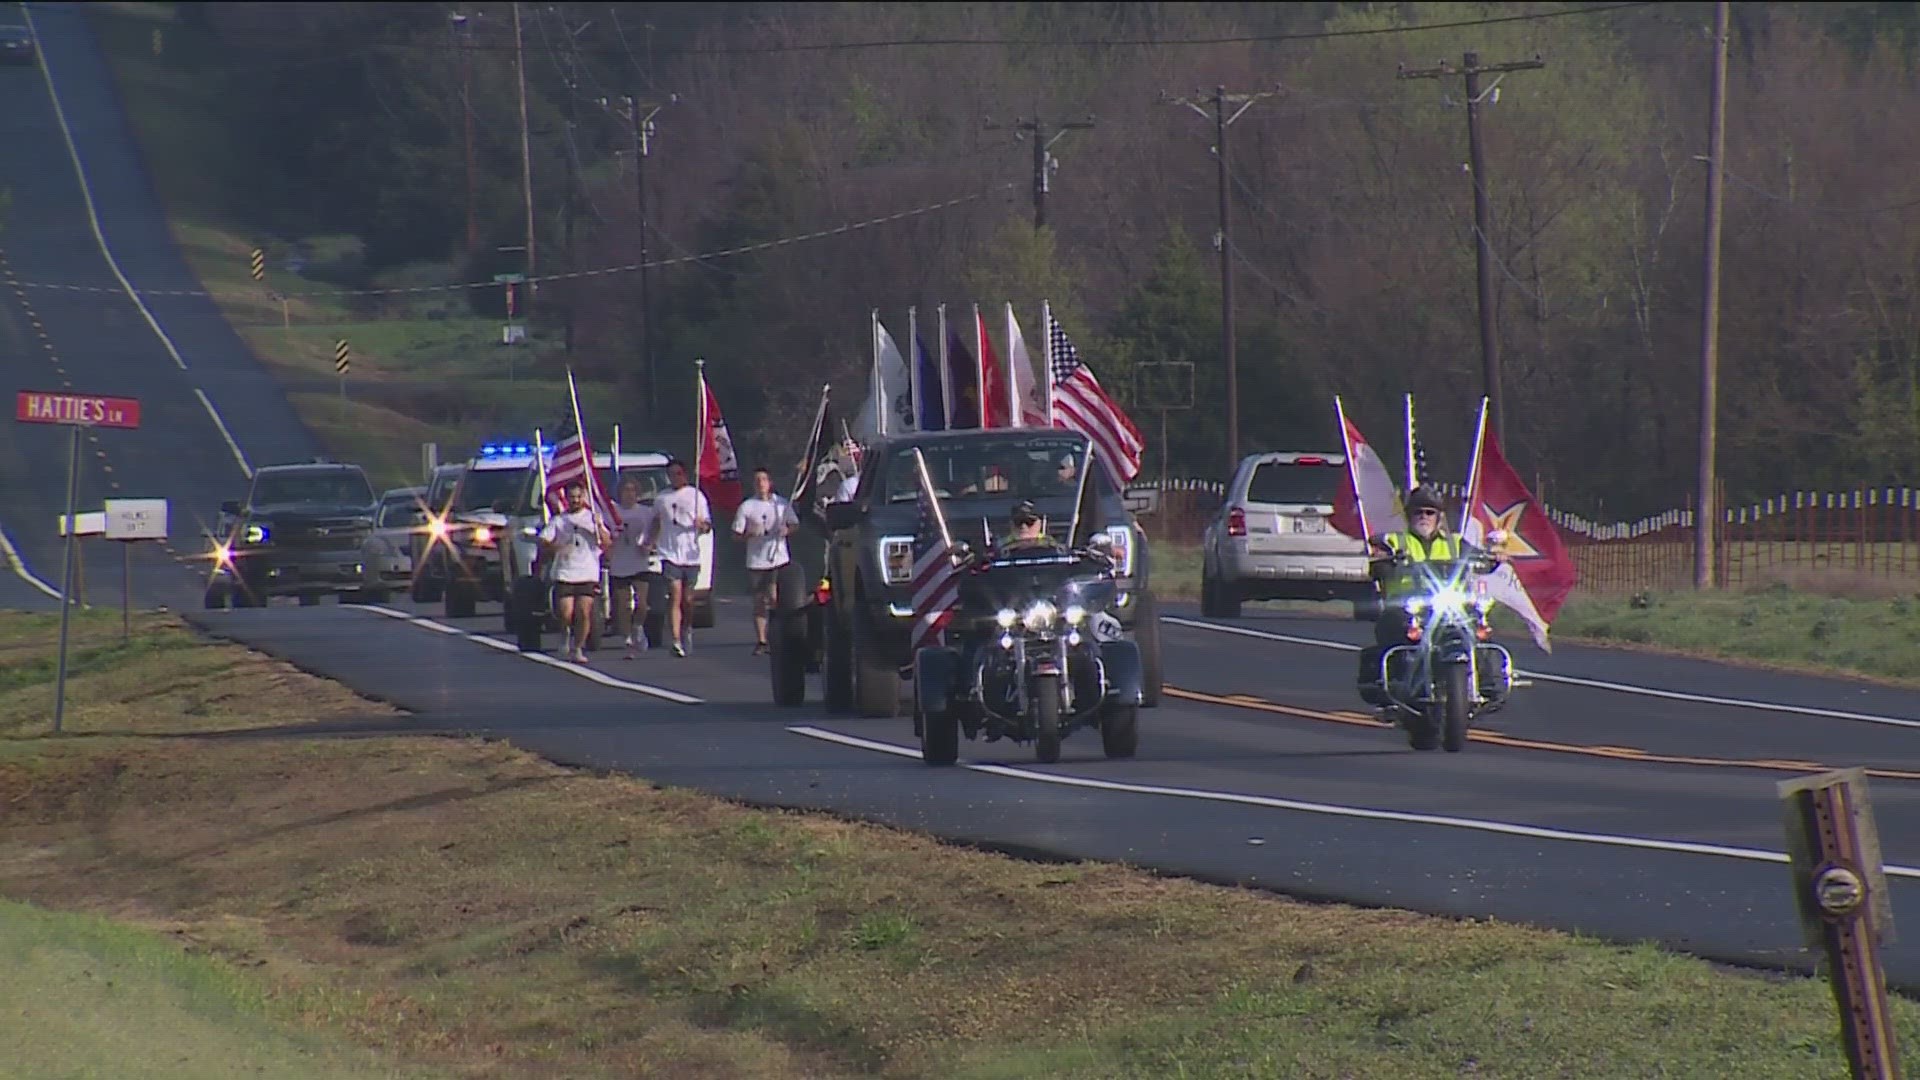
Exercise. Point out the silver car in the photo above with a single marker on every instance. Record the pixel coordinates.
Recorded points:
(386, 556)
(1273, 538)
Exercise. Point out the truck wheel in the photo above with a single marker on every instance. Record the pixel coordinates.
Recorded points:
(1120, 730)
(308, 599)
(526, 633)
(876, 683)
(939, 736)
(1146, 634)
(839, 664)
(787, 659)
(461, 598)
(703, 611)
(216, 599)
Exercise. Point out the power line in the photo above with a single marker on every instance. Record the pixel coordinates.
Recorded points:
(604, 271)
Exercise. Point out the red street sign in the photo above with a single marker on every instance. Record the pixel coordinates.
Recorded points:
(88, 410)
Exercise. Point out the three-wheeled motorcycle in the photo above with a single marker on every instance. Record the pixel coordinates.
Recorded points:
(1032, 655)
(1448, 672)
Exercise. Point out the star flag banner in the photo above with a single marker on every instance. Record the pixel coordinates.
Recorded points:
(1368, 504)
(1539, 573)
(716, 469)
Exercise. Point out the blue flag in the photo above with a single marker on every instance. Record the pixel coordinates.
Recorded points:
(926, 371)
(964, 375)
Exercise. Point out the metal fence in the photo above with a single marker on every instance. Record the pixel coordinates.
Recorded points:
(1866, 540)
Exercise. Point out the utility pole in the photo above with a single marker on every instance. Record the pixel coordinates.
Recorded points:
(526, 153)
(1482, 216)
(1043, 160)
(463, 26)
(1224, 242)
(1705, 517)
(639, 115)
(569, 206)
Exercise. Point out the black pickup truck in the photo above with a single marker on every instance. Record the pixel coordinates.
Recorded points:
(979, 475)
(298, 533)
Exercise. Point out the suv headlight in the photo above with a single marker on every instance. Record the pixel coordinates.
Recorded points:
(257, 534)
(1039, 615)
(1122, 538)
(896, 559)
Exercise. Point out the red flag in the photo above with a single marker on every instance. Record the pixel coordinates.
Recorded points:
(716, 470)
(993, 393)
(1539, 572)
(1369, 485)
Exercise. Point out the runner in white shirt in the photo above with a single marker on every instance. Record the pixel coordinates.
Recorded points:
(574, 541)
(765, 520)
(627, 576)
(681, 516)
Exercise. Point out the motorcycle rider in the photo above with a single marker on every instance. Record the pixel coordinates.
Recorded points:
(1029, 528)
(1426, 539)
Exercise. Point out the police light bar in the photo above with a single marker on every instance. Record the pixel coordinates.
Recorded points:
(524, 449)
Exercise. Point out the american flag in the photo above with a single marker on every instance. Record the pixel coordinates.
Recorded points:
(936, 583)
(571, 461)
(1079, 404)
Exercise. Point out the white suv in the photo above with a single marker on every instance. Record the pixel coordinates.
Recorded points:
(1273, 538)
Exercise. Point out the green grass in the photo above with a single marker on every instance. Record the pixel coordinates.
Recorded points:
(85, 996)
(423, 368)
(460, 906)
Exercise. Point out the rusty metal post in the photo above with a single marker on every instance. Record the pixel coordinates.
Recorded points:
(1845, 909)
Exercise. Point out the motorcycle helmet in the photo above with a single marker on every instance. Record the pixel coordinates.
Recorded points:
(1023, 513)
(1424, 498)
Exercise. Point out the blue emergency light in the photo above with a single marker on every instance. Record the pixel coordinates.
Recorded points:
(510, 450)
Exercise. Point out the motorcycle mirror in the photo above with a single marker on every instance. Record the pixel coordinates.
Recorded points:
(962, 550)
(1100, 542)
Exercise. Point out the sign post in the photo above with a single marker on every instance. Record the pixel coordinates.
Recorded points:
(130, 521)
(76, 411)
(1840, 888)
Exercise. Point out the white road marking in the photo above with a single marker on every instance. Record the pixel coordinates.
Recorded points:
(1571, 680)
(539, 658)
(100, 238)
(19, 566)
(1534, 832)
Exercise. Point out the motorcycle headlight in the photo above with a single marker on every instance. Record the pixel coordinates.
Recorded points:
(1074, 615)
(1006, 617)
(1040, 615)
(257, 534)
(1416, 604)
(1450, 602)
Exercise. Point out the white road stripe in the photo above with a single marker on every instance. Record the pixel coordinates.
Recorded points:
(1534, 832)
(100, 238)
(1570, 680)
(539, 658)
(19, 566)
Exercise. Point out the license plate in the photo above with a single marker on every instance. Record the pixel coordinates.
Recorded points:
(1309, 525)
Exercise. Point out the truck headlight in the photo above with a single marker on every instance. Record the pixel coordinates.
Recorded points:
(1039, 615)
(896, 559)
(1122, 538)
(483, 534)
(257, 534)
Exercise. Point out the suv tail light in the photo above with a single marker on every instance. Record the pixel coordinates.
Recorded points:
(1236, 522)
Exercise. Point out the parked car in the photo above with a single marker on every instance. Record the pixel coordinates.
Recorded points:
(16, 44)
(1273, 537)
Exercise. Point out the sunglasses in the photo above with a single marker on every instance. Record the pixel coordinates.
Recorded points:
(1426, 513)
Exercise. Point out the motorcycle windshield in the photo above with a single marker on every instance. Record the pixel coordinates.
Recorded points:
(1016, 583)
(1447, 586)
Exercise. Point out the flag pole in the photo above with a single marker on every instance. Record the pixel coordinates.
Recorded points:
(1353, 476)
(1473, 471)
(933, 499)
(1080, 492)
(980, 363)
(946, 379)
(1014, 418)
(540, 467)
(1046, 357)
(1413, 477)
(701, 425)
(586, 447)
(813, 439)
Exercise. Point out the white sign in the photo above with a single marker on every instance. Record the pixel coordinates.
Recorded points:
(84, 524)
(1141, 501)
(136, 519)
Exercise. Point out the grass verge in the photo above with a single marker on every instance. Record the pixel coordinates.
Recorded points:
(460, 907)
(424, 368)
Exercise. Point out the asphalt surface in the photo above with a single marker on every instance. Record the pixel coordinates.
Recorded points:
(1609, 798)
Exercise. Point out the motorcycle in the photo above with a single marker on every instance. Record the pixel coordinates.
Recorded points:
(1039, 657)
(1449, 672)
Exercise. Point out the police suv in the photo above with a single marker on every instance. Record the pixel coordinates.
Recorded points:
(526, 579)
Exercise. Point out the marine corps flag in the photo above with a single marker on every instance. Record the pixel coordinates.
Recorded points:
(820, 443)
(716, 470)
(1502, 515)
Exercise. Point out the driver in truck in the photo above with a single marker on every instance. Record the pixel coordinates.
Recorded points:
(1426, 538)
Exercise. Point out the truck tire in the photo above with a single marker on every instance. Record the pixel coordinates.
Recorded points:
(876, 683)
(839, 676)
(1146, 633)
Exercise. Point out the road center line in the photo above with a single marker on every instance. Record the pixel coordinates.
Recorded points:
(1571, 680)
(539, 658)
(1685, 847)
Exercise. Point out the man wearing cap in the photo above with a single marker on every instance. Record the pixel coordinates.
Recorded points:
(575, 541)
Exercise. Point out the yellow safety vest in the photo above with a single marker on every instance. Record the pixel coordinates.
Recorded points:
(1400, 582)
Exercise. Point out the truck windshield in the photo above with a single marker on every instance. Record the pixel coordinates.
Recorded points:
(651, 478)
(333, 487)
(1023, 466)
(481, 488)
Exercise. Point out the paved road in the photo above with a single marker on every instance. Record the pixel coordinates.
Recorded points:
(1271, 790)
(1629, 813)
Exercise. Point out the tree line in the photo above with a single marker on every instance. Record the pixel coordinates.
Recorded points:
(1352, 238)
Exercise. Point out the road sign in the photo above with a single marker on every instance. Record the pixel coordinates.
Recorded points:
(258, 264)
(93, 524)
(508, 279)
(136, 519)
(341, 355)
(82, 410)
